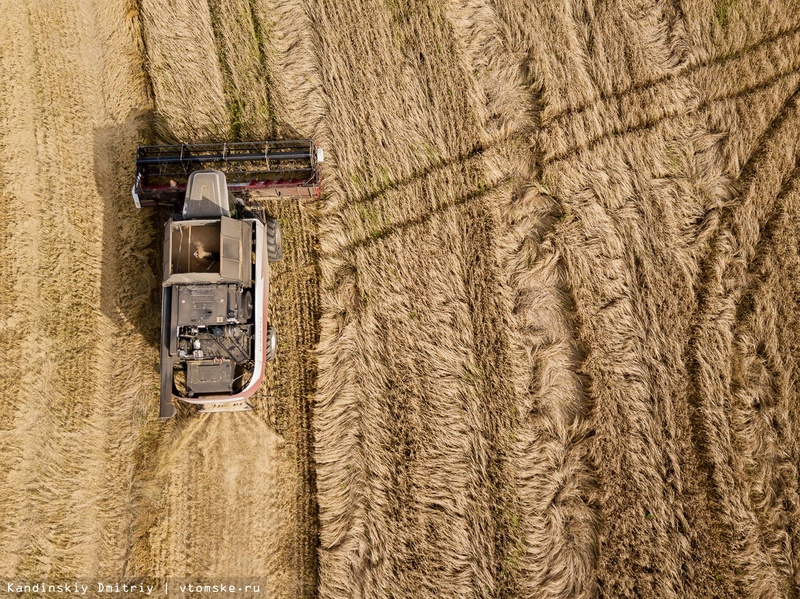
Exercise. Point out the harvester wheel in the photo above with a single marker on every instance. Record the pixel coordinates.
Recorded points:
(272, 343)
(274, 240)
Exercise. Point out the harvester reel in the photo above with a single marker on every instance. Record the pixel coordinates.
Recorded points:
(280, 169)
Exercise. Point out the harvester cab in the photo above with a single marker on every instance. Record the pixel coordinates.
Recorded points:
(216, 334)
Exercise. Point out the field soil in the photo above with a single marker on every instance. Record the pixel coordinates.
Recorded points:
(538, 337)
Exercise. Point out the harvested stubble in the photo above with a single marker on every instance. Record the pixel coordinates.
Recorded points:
(225, 509)
(80, 279)
(185, 70)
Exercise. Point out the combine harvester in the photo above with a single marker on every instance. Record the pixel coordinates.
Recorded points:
(216, 335)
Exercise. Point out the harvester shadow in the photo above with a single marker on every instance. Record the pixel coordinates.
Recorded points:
(131, 251)
(130, 290)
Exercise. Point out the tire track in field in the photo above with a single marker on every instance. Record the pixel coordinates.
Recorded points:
(681, 71)
(381, 231)
(762, 178)
(764, 384)
(641, 119)
(373, 217)
(19, 249)
(748, 171)
(644, 107)
(428, 171)
(448, 183)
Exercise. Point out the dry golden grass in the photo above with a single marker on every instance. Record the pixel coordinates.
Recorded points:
(604, 254)
(412, 411)
(763, 413)
(733, 445)
(72, 105)
(537, 340)
(185, 70)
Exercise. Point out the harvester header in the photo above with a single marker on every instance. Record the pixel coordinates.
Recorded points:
(265, 168)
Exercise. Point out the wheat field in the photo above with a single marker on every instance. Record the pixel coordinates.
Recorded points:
(538, 337)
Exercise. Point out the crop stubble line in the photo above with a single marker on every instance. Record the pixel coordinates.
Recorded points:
(290, 75)
(477, 150)
(288, 82)
(295, 312)
(142, 462)
(748, 168)
(303, 315)
(62, 237)
(22, 167)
